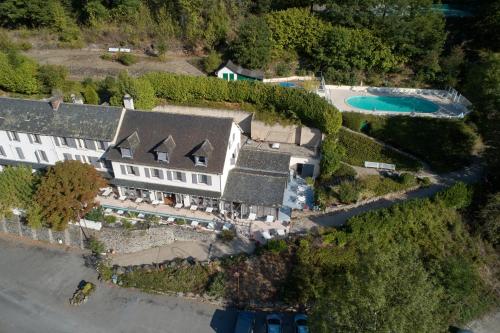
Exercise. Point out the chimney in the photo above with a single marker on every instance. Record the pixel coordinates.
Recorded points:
(128, 102)
(55, 102)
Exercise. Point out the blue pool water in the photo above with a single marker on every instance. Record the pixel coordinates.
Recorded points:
(288, 84)
(392, 104)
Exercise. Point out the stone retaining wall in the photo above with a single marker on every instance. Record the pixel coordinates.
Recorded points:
(127, 241)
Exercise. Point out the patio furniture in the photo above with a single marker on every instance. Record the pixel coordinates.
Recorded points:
(266, 235)
(171, 219)
(209, 209)
(107, 192)
(155, 202)
(120, 212)
(301, 198)
(223, 211)
(179, 205)
(269, 218)
(280, 232)
(301, 188)
(122, 198)
(138, 200)
(108, 211)
(193, 207)
(252, 216)
(194, 223)
(141, 215)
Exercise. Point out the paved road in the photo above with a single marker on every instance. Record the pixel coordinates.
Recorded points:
(469, 174)
(36, 283)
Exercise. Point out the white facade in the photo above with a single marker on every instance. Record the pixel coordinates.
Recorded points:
(43, 149)
(197, 180)
(229, 74)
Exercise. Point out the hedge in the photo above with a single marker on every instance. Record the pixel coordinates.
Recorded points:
(445, 144)
(360, 149)
(294, 104)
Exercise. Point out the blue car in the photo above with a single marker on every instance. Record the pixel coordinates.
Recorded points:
(274, 324)
(300, 323)
(245, 322)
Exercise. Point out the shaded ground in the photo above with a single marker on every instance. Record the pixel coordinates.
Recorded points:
(83, 63)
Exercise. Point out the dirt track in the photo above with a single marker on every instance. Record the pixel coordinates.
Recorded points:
(83, 63)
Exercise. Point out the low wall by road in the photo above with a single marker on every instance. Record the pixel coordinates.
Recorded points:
(116, 238)
(72, 236)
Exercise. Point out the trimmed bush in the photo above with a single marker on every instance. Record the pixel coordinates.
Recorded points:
(126, 59)
(348, 192)
(457, 196)
(281, 103)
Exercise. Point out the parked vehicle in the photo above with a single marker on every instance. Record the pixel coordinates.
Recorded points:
(274, 323)
(82, 293)
(300, 323)
(245, 322)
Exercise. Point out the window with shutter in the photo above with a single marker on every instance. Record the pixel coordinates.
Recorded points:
(123, 170)
(72, 143)
(169, 175)
(67, 157)
(13, 136)
(204, 179)
(43, 156)
(37, 157)
(90, 144)
(20, 153)
(194, 178)
(36, 138)
(209, 180)
(2, 151)
(56, 141)
(146, 172)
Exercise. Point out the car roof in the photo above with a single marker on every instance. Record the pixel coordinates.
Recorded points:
(244, 323)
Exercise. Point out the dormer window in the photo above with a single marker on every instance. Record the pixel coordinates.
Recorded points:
(162, 156)
(200, 160)
(164, 149)
(128, 145)
(202, 153)
(126, 152)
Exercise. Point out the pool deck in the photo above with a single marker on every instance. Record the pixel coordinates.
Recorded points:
(337, 95)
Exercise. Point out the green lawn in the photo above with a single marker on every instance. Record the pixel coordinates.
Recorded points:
(360, 149)
(443, 143)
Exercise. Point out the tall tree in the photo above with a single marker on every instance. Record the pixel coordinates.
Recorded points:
(252, 48)
(67, 193)
(17, 187)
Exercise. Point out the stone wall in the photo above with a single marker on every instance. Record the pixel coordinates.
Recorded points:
(118, 239)
(127, 241)
(70, 237)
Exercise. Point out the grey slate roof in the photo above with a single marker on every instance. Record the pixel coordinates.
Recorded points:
(69, 120)
(166, 146)
(254, 188)
(256, 74)
(188, 132)
(266, 161)
(165, 188)
(205, 149)
(130, 142)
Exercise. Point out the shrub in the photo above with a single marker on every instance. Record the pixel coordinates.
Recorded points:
(152, 219)
(180, 221)
(293, 104)
(95, 245)
(107, 56)
(211, 62)
(283, 69)
(126, 59)
(110, 219)
(407, 178)
(52, 77)
(105, 271)
(348, 192)
(217, 285)
(18, 73)
(90, 95)
(309, 181)
(126, 223)
(96, 214)
(345, 171)
(227, 235)
(276, 245)
(457, 196)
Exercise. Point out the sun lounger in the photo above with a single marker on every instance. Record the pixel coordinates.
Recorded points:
(179, 205)
(138, 200)
(209, 209)
(269, 218)
(193, 207)
(252, 216)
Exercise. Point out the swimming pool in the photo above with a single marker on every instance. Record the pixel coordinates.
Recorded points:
(392, 104)
(288, 84)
